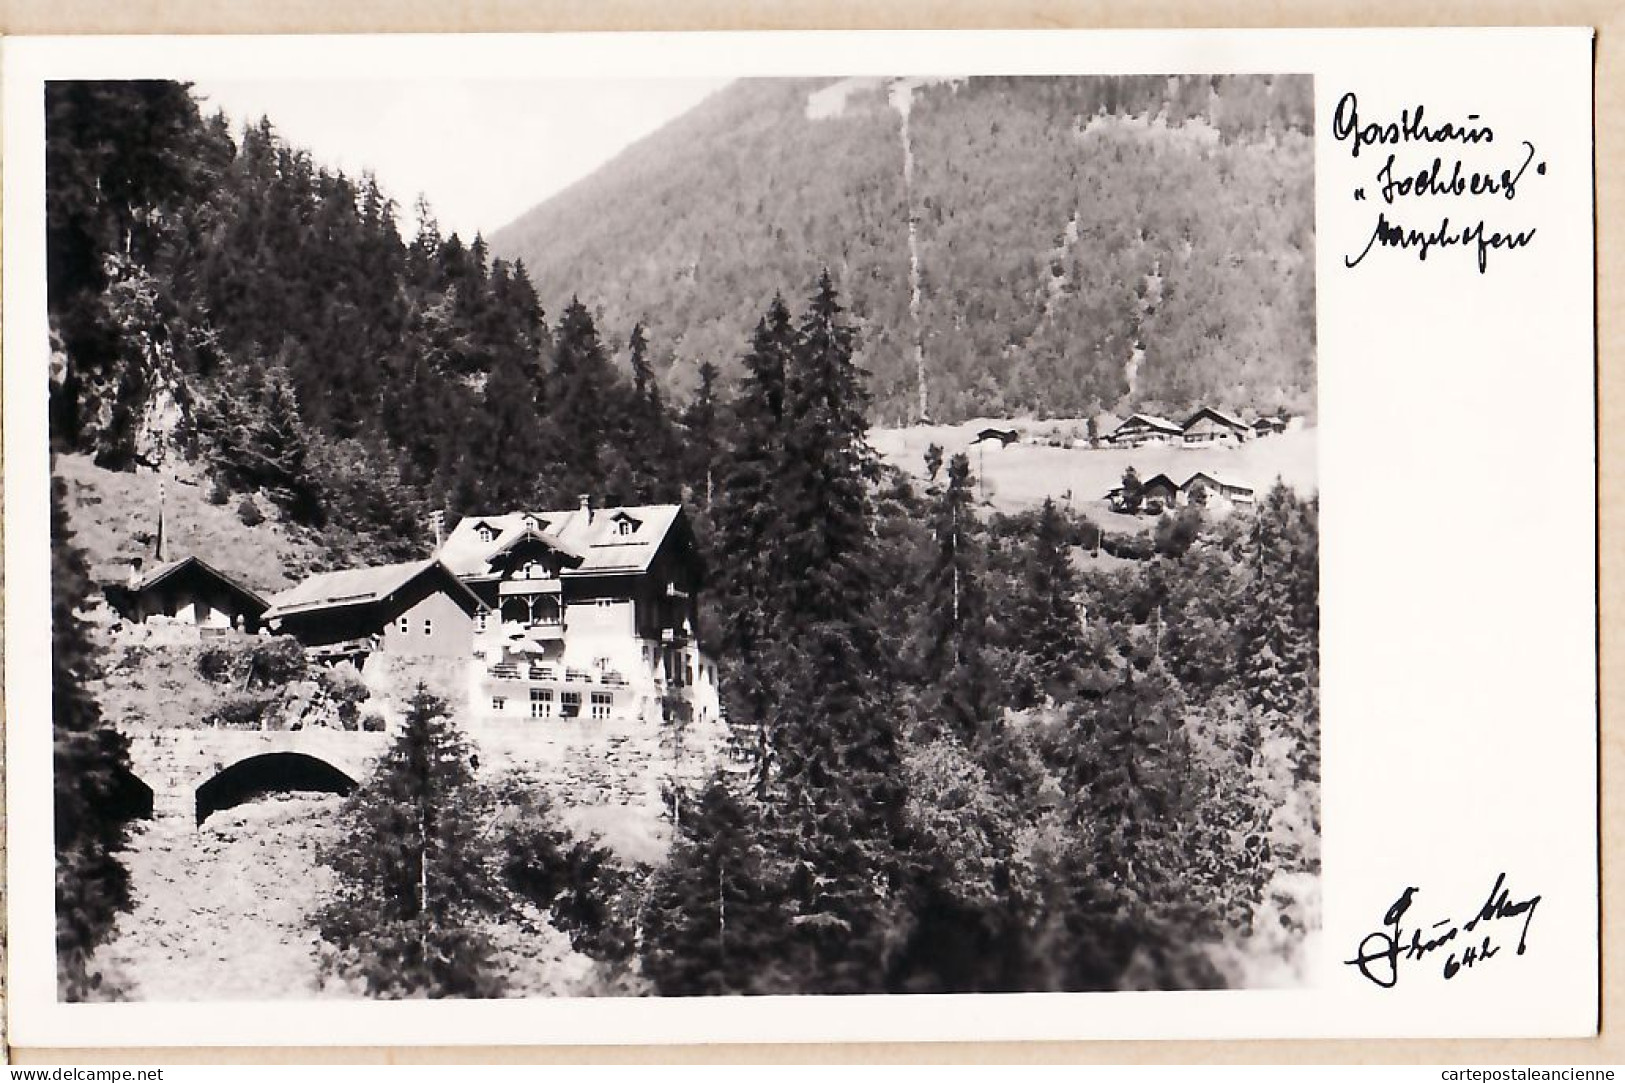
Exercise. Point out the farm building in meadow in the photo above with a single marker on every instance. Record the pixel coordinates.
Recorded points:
(1208, 427)
(189, 591)
(1267, 426)
(1159, 488)
(1217, 487)
(1142, 429)
(589, 613)
(419, 608)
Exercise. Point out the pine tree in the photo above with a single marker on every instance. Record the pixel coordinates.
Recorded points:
(278, 451)
(90, 778)
(1131, 918)
(750, 529)
(959, 682)
(714, 923)
(1051, 629)
(828, 467)
(414, 876)
(836, 786)
(1277, 651)
(583, 399)
(701, 427)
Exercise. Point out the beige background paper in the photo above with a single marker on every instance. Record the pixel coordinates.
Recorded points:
(1610, 158)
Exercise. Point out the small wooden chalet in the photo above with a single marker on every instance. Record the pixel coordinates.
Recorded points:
(1216, 486)
(1142, 429)
(1004, 437)
(1209, 426)
(190, 591)
(1159, 488)
(419, 608)
(1266, 426)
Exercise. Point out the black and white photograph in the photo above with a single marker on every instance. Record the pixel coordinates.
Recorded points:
(861, 537)
(694, 538)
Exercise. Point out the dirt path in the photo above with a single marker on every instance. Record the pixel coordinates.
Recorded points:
(222, 911)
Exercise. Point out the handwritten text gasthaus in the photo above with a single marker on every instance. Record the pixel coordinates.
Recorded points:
(1412, 177)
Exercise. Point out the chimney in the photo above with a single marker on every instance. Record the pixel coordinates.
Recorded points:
(586, 506)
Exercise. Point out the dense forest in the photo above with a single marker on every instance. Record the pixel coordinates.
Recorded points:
(1082, 244)
(966, 757)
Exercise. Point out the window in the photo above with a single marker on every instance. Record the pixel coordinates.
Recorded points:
(625, 528)
(570, 704)
(601, 704)
(541, 703)
(486, 534)
(499, 703)
(479, 621)
(428, 626)
(403, 625)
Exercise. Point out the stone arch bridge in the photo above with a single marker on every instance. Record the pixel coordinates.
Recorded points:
(191, 773)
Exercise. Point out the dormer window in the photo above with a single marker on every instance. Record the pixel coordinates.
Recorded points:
(486, 533)
(625, 528)
(531, 523)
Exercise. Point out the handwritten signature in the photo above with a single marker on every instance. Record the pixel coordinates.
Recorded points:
(1461, 945)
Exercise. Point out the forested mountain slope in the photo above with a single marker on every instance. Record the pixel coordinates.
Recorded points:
(1078, 243)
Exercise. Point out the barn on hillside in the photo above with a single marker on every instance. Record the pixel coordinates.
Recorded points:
(190, 591)
(419, 608)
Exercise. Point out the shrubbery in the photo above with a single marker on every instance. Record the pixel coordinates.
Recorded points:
(242, 710)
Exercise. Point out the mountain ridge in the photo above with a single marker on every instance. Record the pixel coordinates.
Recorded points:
(1052, 246)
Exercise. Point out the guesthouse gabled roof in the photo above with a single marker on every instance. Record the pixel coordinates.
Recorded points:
(359, 586)
(594, 536)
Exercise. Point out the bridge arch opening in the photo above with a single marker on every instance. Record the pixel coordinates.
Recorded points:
(131, 799)
(273, 772)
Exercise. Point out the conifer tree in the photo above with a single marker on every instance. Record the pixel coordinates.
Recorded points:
(90, 772)
(958, 679)
(279, 448)
(583, 397)
(1276, 655)
(414, 875)
(1130, 917)
(714, 923)
(1050, 632)
(828, 467)
(749, 524)
(701, 425)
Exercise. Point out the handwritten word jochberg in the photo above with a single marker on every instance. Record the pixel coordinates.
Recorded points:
(1421, 162)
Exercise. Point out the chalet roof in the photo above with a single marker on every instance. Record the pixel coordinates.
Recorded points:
(595, 536)
(175, 567)
(1222, 480)
(1155, 478)
(1217, 415)
(355, 586)
(1149, 421)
